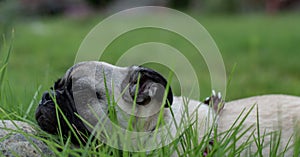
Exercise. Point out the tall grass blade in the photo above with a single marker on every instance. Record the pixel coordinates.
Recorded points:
(34, 99)
(258, 141)
(3, 67)
(230, 77)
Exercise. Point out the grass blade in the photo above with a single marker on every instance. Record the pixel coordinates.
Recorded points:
(3, 68)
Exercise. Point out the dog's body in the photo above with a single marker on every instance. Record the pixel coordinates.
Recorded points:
(276, 113)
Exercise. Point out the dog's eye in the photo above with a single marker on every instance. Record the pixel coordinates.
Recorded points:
(98, 95)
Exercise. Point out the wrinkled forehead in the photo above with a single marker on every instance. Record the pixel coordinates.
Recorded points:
(94, 69)
(92, 73)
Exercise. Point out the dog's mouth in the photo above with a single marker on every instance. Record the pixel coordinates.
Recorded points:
(46, 109)
(46, 113)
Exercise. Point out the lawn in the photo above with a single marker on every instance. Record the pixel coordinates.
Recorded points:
(264, 50)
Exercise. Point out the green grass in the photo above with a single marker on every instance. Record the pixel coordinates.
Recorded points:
(265, 50)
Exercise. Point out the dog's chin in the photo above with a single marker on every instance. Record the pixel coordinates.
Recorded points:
(46, 117)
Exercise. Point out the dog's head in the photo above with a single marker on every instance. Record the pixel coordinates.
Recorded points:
(88, 89)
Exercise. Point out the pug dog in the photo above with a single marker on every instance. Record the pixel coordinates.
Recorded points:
(138, 98)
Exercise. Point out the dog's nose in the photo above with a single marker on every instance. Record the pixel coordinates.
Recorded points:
(46, 97)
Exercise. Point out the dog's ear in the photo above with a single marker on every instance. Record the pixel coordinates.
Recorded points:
(151, 85)
(157, 78)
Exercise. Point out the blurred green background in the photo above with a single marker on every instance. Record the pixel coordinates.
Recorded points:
(260, 37)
